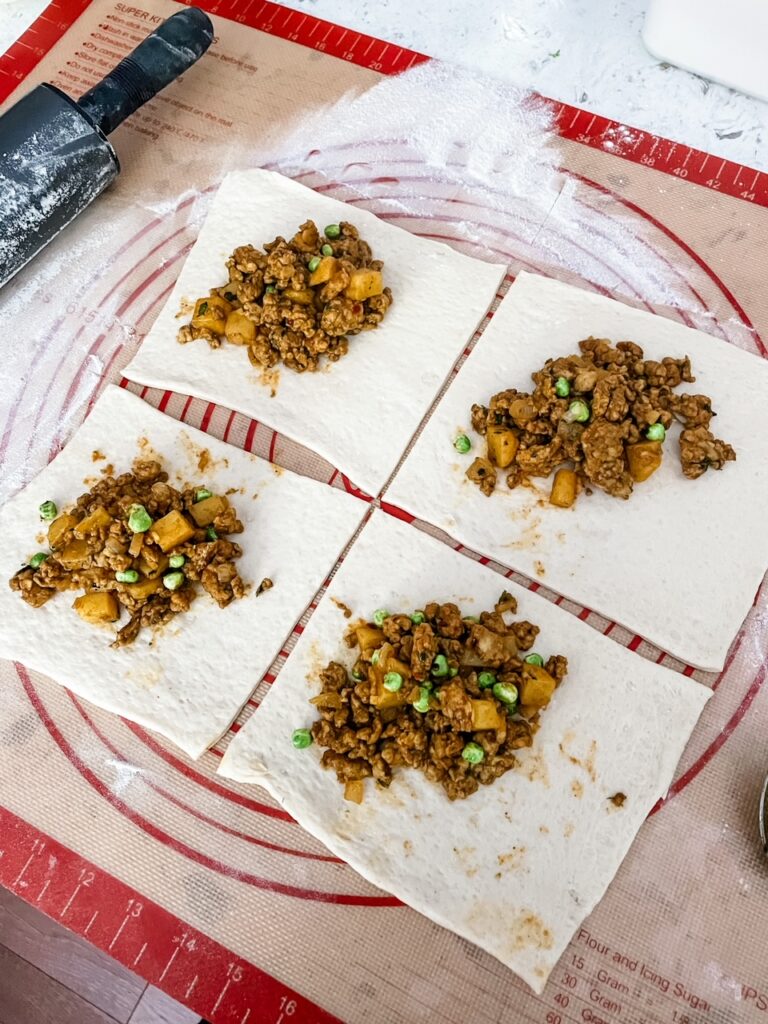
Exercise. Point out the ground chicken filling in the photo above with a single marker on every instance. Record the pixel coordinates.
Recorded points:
(135, 543)
(297, 301)
(452, 696)
(597, 419)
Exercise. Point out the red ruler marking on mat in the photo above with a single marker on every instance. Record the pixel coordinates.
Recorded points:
(147, 939)
(661, 154)
(571, 122)
(37, 42)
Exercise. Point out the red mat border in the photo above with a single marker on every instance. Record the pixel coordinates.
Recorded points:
(593, 130)
(155, 943)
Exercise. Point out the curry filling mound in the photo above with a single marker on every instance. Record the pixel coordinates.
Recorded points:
(598, 419)
(135, 543)
(453, 696)
(297, 301)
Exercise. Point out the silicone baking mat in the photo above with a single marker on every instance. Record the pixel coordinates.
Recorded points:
(207, 888)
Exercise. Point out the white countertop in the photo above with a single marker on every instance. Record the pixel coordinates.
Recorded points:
(586, 52)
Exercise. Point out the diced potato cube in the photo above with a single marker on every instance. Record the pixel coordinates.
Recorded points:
(327, 700)
(355, 790)
(537, 686)
(304, 296)
(211, 313)
(368, 638)
(522, 410)
(381, 697)
(486, 715)
(97, 607)
(171, 530)
(502, 446)
(239, 329)
(327, 267)
(644, 459)
(205, 511)
(151, 568)
(363, 284)
(99, 519)
(137, 543)
(389, 663)
(59, 527)
(563, 493)
(74, 555)
(142, 589)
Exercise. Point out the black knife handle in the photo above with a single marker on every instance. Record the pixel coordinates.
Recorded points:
(155, 63)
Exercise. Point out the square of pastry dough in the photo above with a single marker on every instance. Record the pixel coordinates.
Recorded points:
(516, 866)
(680, 561)
(360, 412)
(189, 679)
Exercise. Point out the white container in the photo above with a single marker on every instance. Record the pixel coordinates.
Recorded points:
(724, 41)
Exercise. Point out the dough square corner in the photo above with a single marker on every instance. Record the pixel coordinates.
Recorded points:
(668, 563)
(501, 892)
(189, 680)
(360, 412)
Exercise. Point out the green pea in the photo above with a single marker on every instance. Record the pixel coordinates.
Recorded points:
(656, 432)
(417, 618)
(422, 703)
(37, 560)
(534, 659)
(473, 753)
(379, 615)
(333, 231)
(270, 289)
(327, 250)
(202, 309)
(486, 679)
(578, 412)
(505, 692)
(202, 494)
(139, 520)
(211, 534)
(562, 387)
(173, 580)
(301, 739)
(127, 576)
(48, 510)
(314, 263)
(462, 444)
(439, 666)
(375, 657)
(452, 672)
(393, 681)
(176, 561)
(357, 675)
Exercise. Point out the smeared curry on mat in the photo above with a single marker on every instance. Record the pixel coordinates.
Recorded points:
(450, 695)
(296, 301)
(598, 419)
(135, 543)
